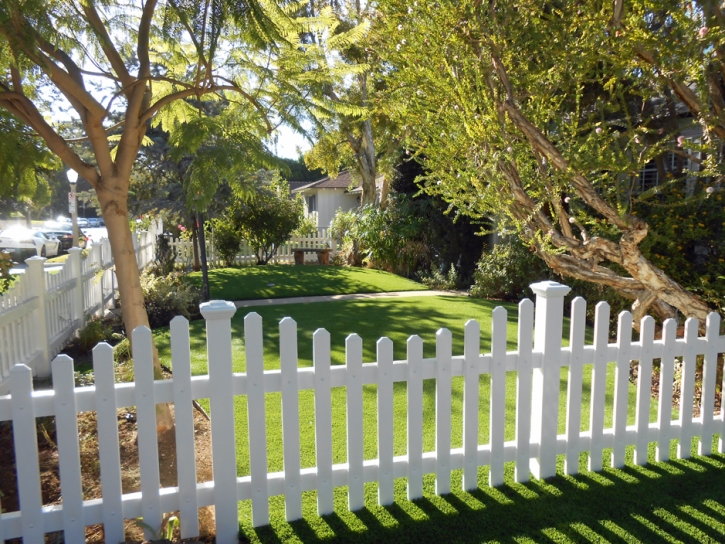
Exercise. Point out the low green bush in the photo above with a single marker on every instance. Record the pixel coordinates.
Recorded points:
(96, 330)
(438, 279)
(507, 271)
(167, 296)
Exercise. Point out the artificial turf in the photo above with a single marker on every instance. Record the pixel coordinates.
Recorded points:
(679, 499)
(280, 281)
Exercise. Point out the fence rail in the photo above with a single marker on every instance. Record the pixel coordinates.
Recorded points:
(537, 362)
(184, 250)
(45, 307)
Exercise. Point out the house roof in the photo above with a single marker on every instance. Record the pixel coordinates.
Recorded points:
(342, 181)
(293, 185)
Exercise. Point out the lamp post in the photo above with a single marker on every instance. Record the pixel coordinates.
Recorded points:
(73, 177)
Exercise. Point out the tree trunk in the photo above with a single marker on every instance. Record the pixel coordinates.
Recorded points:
(195, 245)
(133, 310)
(205, 294)
(366, 161)
(366, 155)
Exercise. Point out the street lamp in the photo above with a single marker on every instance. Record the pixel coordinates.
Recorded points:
(73, 177)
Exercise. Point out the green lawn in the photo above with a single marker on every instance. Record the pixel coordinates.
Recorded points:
(567, 508)
(253, 282)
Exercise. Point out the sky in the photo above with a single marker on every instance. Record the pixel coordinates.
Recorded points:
(288, 143)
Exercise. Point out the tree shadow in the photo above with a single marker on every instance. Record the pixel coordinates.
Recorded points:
(648, 504)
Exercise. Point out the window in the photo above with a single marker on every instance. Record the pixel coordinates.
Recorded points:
(312, 203)
(649, 176)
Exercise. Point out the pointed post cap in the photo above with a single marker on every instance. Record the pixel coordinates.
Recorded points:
(215, 310)
(550, 289)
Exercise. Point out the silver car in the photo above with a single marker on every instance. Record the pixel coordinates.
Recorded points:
(22, 243)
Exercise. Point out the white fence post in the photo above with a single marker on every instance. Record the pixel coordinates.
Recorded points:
(545, 399)
(36, 282)
(218, 315)
(75, 260)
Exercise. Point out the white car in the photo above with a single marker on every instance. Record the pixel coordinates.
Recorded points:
(23, 243)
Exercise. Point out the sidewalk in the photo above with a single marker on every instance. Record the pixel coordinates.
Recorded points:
(356, 296)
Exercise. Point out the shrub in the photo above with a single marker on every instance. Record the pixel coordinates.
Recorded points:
(122, 350)
(438, 279)
(96, 330)
(165, 257)
(506, 272)
(227, 240)
(167, 296)
(307, 227)
(267, 220)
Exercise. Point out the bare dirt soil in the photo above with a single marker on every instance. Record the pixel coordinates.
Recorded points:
(90, 468)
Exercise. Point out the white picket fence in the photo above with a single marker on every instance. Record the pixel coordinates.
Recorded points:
(537, 363)
(184, 250)
(42, 311)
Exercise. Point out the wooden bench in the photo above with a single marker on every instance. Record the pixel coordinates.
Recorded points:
(323, 254)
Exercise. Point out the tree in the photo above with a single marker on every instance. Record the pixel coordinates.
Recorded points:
(147, 62)
(358, 139)
(267, 219)
(543, 115)
(25, 164)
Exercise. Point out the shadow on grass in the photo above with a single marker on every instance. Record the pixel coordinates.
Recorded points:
(682, 499)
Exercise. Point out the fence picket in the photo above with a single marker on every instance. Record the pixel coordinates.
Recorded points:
(687, 391)
(443, 411)
(256, 415)
(471, 354)
(498, 396)
(667, 372)
(290, 418)
(599, 382)
(218, 315)
(148, 449)
(574, 385)
(323, 421)
(524, 370)
(621, 388)
(709, 371)
(26, 455)
(385, 422)
(184, 417)
(66, 427)
(108, 452)
(644, 390)
(356, 481)
(415, 417)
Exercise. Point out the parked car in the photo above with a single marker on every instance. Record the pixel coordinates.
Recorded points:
(82, 222)
(22, 243)
(93, 222)
(64, 233)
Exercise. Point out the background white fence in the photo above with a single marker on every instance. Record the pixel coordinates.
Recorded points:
(45, 307)
(184, 250)
(537, 363)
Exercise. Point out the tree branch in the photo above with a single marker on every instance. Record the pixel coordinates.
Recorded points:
(56, 143)
(114, 58)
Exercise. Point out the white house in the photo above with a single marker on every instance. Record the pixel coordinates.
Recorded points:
(325, 196)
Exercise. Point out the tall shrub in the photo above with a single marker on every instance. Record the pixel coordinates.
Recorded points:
(268, 218)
